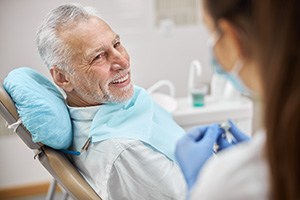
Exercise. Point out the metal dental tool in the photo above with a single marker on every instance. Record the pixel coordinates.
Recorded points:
(227, 135)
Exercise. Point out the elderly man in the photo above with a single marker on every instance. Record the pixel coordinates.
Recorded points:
(126, 141)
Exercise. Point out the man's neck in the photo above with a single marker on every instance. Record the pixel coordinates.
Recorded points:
(74, 100)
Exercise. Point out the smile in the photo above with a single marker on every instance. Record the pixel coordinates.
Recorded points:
(121, 80)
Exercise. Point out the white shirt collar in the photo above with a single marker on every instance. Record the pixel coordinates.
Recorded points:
(83, 113)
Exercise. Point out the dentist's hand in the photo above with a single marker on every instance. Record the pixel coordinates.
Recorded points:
(238, 135)
(194, 149)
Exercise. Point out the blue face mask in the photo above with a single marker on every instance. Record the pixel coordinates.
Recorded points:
(232, 76)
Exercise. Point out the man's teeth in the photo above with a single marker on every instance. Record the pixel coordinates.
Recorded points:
(120, 80)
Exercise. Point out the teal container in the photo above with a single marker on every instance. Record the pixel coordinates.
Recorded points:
(198, 99)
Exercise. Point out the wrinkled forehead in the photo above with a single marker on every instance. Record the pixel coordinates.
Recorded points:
(85, 31)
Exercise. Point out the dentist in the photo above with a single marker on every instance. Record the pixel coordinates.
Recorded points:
(257, 44)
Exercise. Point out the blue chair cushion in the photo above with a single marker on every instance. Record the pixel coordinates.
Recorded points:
(41, 107)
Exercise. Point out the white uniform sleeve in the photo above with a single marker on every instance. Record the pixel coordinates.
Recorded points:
(142, 173)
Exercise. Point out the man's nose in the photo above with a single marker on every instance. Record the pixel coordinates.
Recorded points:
(119, 61)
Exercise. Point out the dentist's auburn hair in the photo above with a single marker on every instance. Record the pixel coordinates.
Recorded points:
(52, 49)
(273, 27)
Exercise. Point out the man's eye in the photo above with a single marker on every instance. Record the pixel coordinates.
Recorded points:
(99, 56)
(117, 44)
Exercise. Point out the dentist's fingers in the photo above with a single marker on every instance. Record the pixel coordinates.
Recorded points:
(197, 132)
(223, 143)
(211, 135)
(237, 134)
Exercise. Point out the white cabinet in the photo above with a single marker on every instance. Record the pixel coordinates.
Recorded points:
(240, 110)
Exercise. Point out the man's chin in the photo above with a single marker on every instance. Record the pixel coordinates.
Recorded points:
(128, 93)
(123, 94)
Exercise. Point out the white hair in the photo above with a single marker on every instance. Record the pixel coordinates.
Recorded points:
(52, 49)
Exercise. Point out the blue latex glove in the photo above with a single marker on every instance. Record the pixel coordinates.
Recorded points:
(238, 135)
(194, 149)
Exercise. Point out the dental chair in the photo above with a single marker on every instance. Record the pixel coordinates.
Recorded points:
(55, 162)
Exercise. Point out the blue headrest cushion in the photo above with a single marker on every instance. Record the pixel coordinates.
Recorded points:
(41, 107)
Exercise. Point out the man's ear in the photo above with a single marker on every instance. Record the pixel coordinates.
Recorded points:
(231, 42)
(61, 79)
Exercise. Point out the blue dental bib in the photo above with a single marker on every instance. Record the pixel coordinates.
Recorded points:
(138, 118)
